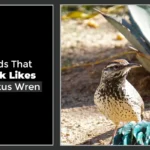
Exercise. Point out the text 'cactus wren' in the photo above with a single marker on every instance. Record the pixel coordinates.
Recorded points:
(115, 97)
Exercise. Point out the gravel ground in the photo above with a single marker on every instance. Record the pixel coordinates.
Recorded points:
(81, 122)
(81, 43)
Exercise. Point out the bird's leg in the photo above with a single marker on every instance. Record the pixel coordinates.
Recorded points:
(114, 133)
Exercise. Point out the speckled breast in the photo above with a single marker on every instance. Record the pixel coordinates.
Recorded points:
(117, 108)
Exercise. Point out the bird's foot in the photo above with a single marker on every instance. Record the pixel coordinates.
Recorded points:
(111, 142)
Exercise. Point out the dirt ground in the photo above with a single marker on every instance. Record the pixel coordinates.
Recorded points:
(81, 122)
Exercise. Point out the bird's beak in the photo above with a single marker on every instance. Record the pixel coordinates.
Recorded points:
(133, 65)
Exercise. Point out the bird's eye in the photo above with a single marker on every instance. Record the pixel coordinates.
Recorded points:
(112, 68)
(116, 67)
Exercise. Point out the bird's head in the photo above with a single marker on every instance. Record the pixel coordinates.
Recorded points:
(117, 69)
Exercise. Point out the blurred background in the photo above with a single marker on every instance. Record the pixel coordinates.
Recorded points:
(88, 42)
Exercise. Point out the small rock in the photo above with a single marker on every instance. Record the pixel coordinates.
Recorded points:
(92, 24)
(101, 142)
(119, 37)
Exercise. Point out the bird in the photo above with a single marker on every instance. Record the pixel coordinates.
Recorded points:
(133, 134)
(115, 96)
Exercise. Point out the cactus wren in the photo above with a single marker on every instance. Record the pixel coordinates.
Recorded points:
(115, 97)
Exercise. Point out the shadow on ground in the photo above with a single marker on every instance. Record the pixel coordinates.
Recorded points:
(78, 85)
(98, 138)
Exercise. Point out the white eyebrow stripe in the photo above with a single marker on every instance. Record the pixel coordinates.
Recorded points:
(111, 65)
